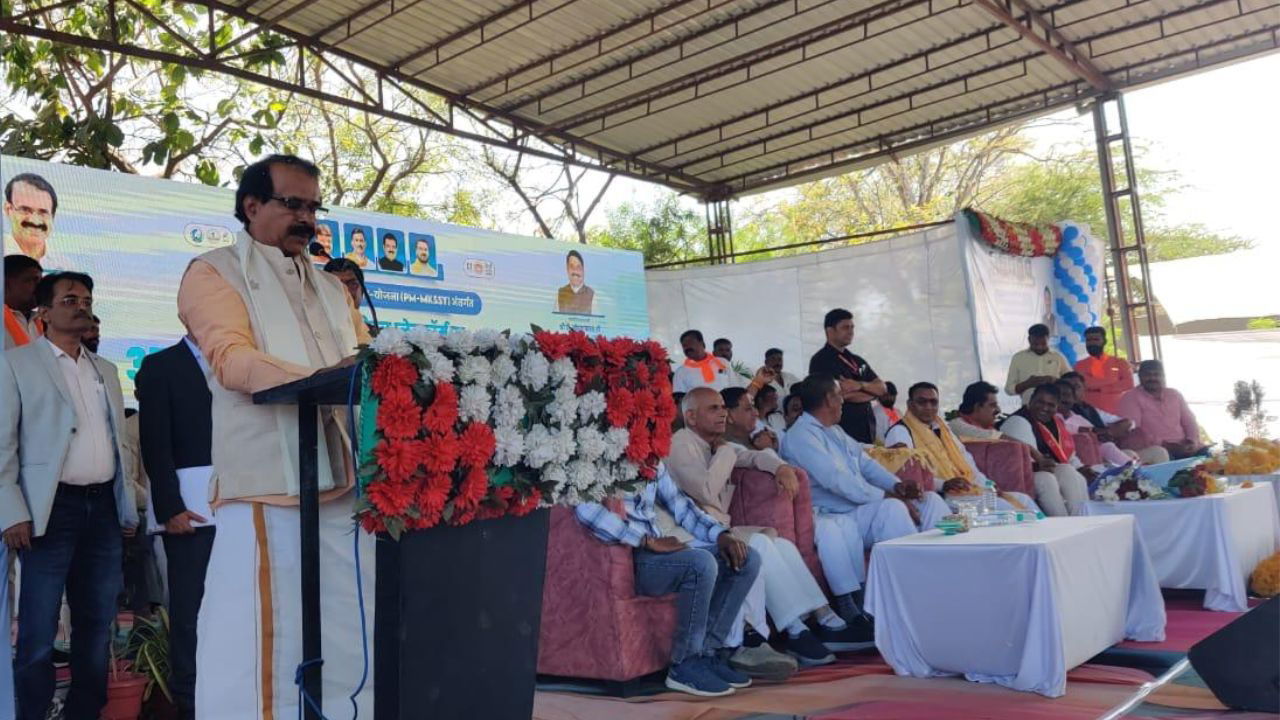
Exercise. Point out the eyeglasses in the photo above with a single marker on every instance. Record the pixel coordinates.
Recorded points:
(295, 204)
(71, 301)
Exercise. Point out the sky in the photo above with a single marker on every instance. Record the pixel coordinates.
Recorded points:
(1220, 130)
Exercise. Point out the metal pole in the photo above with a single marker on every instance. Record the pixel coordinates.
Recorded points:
(1115, 231)
(309, 524)
(1139, 235)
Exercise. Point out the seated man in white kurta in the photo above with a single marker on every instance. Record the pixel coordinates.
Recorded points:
(1062, 481)
(702, 463)
(921, 429)
(853, 495)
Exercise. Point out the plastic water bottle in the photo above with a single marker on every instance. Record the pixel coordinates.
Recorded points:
(988, 498)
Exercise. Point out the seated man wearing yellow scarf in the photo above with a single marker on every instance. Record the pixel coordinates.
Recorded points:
(947, 457)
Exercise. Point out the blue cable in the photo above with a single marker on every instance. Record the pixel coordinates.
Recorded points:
(355, 549)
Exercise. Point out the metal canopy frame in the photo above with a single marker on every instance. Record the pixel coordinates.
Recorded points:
(714, 98)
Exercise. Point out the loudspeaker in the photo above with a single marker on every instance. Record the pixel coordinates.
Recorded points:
(1241, 662)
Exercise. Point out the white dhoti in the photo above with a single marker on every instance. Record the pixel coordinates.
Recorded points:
(790, 590)
(1061, 492)
(250, 625)
(840, 550)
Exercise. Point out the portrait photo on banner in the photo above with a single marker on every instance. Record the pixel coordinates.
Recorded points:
(358, 244)
(423, 261)
(326, 231)
(391, 250)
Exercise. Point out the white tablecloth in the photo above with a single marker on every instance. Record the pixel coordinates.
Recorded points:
(1212, 542)
(1015, 605)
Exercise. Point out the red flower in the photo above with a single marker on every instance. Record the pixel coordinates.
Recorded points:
(399, 459)
(440, 452)
(398, 415)
(474, 488)
(646, 404)
(642, 374)
(528, 504)
(390, 497)
(393, 373)
(661, 442)
(639, 448)
(477, 445)
(443, 413)
(619, 407)
(372, 523)
(553, 345)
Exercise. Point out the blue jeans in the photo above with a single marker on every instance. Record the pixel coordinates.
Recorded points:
(80, 552)
(709, 595)
(6, 652)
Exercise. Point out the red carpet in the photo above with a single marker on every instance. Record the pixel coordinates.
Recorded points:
(862, 686)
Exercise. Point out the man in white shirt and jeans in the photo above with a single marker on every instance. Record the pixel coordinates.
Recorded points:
(64, 499)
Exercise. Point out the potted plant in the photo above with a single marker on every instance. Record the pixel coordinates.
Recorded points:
(149, 647)
(124, 687)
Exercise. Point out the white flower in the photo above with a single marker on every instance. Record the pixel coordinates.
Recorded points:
(564, 409)
(565, 445)
(502, 370)
(591, 443)
(616, 441)
(534, 370)
(486, 339)
(558, 476)
(1133, 495)
(391, 342)
(563, 372)
(570, 496)
(517, 344)
(582, 474)
(591, 406)
(474, 369)
(509, 446)
(628, 471)
(474, 403)
(462, 342)
(539, 447)
(424, 339)
(439, 368)
(509, 408)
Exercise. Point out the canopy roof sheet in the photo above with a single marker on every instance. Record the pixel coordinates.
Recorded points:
(726, 97)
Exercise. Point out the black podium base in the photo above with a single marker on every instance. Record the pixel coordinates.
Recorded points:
(458, 612)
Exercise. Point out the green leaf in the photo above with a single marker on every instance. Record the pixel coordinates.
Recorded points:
(500, 476)
(170, 122)
(207, 172)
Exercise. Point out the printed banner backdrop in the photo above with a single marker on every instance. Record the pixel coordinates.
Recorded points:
(135, 236)
(1008, 294)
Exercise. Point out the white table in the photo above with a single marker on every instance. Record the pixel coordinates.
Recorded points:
(1015, 605)
(1211, 542)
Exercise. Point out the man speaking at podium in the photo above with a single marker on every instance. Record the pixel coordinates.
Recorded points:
(263, 315)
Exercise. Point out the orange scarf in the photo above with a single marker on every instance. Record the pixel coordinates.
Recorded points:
(892, 414)
(1063, 446)
(17, 329)
(709, 366)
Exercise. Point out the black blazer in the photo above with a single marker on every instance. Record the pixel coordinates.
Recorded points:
(175, 420)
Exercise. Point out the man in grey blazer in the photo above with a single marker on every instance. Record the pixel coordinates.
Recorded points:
(64, 502)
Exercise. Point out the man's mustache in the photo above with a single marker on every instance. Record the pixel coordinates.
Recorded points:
(303, 230)
(35, 226)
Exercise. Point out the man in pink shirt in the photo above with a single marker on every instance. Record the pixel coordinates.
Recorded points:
(1106, 377)
(1161, 412)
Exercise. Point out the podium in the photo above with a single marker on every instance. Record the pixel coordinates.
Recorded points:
(456, 609)
(332, 387)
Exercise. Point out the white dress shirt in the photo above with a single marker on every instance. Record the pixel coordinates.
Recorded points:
(91, 457)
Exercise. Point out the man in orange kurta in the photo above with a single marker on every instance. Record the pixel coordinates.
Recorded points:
(1106, 377)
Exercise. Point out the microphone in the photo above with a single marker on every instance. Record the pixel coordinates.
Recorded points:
(317, 250)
